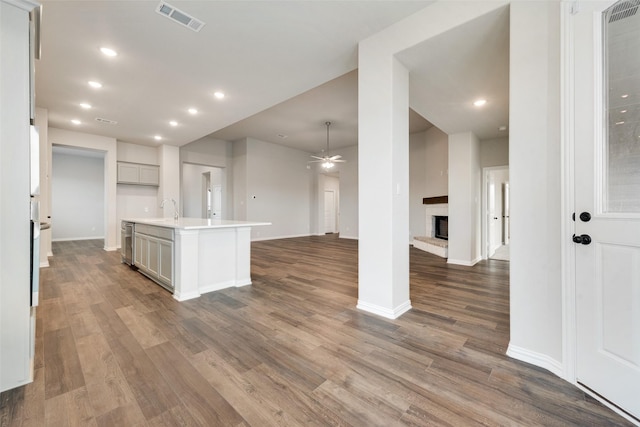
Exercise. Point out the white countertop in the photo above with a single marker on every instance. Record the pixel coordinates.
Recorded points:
(194, 223)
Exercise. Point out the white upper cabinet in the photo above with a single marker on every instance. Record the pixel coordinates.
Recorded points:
(138, 174)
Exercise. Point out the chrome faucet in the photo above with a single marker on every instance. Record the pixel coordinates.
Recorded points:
(175, 207)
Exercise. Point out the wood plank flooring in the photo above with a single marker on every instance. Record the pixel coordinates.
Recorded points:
(115, 349)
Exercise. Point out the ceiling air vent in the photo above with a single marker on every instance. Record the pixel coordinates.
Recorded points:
(106, 121)
(176, 15)
(623, 9)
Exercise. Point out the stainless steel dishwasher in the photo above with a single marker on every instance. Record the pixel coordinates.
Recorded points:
(126, 242)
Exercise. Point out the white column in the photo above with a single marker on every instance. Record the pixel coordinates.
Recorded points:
(169, 159)
(383, 175)
(186, 261)
(465, 181)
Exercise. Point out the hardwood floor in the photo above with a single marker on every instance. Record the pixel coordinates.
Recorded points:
(115, 349)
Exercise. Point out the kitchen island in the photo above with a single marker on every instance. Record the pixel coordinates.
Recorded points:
(193, 256)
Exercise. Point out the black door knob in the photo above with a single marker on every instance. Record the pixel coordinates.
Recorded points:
(584, 239)
(585, 217)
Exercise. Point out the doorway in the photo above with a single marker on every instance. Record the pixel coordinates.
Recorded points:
(330, 222)
(202, 189)
(496, 213)
(77, 194)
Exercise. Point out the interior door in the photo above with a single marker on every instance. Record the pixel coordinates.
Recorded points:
(216, 210)
(606, 107)
(206, 195)
(492, 216)
(506, 222)
(329, 211)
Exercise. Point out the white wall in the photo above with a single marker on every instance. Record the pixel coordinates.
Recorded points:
(109, 147)
(535, 165)
(136, 201)
(348, 192)
(278, 189)
(169, 161)
(77, 195)
(465, 182)
(215, 153)
(348, 202)
(428, 174)
(136, 153)
(417, 183)
(192, 187)
(494, 152)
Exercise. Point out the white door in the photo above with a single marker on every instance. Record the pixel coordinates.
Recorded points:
(606, 107)
(216, 204)
(206, 195)
(492, 217)
(329, 211)
(506, 222)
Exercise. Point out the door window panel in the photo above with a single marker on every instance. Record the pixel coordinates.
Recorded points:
(621, 27)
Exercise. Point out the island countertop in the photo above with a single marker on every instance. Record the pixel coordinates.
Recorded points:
(194, 223)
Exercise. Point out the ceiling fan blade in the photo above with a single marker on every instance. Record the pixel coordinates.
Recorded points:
(336, 157)
(339, 161)
(315, 161)
(319, 158)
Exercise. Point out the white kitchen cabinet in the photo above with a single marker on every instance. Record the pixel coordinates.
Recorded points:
(153, 253)
(138, 174)
(17, 317)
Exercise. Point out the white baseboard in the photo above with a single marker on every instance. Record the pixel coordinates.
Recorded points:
(68, 239)
(110, 248)
(343, 236)
(259, 239)
(384, 311)
(465, 263)
(44, 264)
(537, 359)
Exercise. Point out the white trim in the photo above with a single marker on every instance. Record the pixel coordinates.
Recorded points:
(185, 295)
(69, 239)
(567, 176)
(259, 239)
(538, 359)
(341, 236)
(465, 263)
(44, 264)
(383, 311)
(484, 213)
(110, 248)
(27, 5)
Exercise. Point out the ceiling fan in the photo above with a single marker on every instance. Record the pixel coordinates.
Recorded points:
(327, 160)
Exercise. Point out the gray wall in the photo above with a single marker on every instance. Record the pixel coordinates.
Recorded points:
(77, 187)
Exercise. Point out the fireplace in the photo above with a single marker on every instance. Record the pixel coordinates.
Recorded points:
(441, 227)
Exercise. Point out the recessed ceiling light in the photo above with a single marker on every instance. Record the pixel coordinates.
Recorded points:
(85, 105)
(108, 52)
(626, 95)
(502, 128)
(193, 111)
(620, 123)
(94, 84)
(157, 137)
(76, 121)
(173, 123)
(218, 95)
(623, 111)
(480, 102)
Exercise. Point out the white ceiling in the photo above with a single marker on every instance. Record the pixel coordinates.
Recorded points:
(285, 66)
